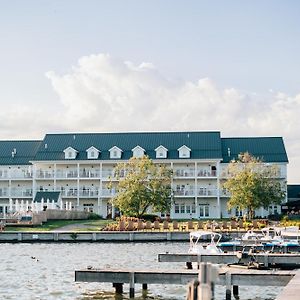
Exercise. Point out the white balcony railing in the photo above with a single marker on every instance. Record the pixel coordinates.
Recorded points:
(184, 173)
(108, 193)
(44, 174)
(21, 193)
(207, 173)
(89, 173)
(185, 192)
(204, 192)
(3, 193)
(88, 192)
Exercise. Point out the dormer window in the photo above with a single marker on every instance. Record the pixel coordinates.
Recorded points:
(92, 153)
(70, 153)
(161, 152)
(138, 152)
(115, 152)
(184, 152)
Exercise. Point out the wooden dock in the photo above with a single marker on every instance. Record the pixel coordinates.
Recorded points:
(292, 290)
(227, 276)
(267, 259)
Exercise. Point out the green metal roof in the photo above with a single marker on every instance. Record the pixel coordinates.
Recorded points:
(204, 145)
(46, 195)
(268, 149)
(293, 191)
(25, 152)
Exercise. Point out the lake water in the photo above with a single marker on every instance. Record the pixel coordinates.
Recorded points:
(46, 271)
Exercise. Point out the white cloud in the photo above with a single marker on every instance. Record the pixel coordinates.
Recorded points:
(102, 93)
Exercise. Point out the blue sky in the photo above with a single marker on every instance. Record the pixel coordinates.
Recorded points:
(250, 48)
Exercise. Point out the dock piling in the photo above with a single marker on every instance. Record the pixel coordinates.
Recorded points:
(118, 287)
(228, 286)
(235, 291)
(131, 285)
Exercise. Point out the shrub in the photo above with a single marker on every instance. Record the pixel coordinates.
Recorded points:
(93, 216)
(151, 218)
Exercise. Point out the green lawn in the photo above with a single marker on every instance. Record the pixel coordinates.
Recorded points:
(92, 225)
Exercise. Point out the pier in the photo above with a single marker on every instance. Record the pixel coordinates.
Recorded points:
(267, 259)
(230, 277)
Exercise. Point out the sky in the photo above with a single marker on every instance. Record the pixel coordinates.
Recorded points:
(115, 66)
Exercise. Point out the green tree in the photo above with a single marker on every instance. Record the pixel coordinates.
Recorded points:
(252, 184)
(141, 184)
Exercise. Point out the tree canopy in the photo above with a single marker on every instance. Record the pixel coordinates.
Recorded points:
(252, 184)
(141, 184)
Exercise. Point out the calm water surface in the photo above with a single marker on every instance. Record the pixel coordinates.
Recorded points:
(46, 271)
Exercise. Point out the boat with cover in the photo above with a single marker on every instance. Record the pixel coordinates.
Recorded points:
(198, 247)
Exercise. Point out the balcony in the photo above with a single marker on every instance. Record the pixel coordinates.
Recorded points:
(108, 193)
(3, 193)
(184, 173)
(4, 174)
(21, 193)
(207, 192)
(43, 174)
(185, 193)
(207, 173)
(88, 193)
(107, 174)
(66, 174)
(92, 173)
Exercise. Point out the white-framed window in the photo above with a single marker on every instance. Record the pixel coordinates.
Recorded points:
(204, 210)
(176, 208)
(193, 208)
(182, 208)
(188, 209)
(70, 154)
(92, 154)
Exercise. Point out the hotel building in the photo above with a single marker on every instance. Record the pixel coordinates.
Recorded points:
(79, 166)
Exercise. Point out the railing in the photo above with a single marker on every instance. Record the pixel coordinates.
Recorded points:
(184, 173)
(107, 173)
(3, 193)
(207, 173)
(21, 193)
(88, 193)
(44, 174)
(207, 192)
(108, 193)
(89, 173)
(184, 192)
(66, 174)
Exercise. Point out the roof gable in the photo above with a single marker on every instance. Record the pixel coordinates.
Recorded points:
(92, 148)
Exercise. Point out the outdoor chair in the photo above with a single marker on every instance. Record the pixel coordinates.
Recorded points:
(148, 225)
(225, 226)
(175, 225)
(130, 226)
(121, 225)
(200, 225)
(216, 226)
(233, 225)
(140, 225)
(190, 225)
(241, 224)
(255, 224)
(156, 225)
(208, 225)
(166, 225)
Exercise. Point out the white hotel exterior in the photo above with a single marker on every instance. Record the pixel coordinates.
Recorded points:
(79, 167)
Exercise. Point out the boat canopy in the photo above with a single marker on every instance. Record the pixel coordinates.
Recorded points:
(199, 234)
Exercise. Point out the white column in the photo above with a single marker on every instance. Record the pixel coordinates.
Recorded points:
(100, 202)
(172, 215)
(78, 187)
(10, 205)
(196, 190)
(218, 190)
